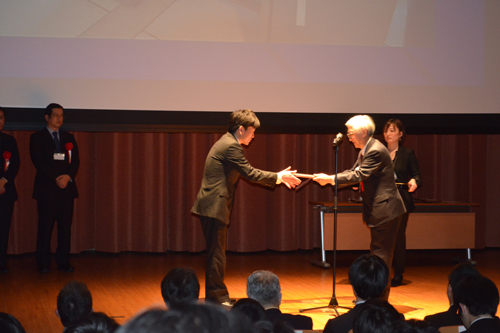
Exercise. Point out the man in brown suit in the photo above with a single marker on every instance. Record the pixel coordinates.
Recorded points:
(224, 165)
(374, 172)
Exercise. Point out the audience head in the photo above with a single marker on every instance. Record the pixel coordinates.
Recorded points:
(188, 318)
(243, 118)
(414, 326)
(74, 301)
(264, 287)
(376, 316)
(250, 308)
(9, 324)
(95, 322)
(476, 296)
(180, 285)
(368, 276)
(457, 273)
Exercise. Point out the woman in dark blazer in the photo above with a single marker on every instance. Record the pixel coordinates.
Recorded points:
(408, 179)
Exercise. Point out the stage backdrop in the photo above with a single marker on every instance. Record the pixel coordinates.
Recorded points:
(137, 189)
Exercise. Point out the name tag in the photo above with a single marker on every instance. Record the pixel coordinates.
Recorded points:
(59, 156)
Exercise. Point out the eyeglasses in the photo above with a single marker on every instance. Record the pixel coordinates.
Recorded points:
(350, 134)
(57, 116)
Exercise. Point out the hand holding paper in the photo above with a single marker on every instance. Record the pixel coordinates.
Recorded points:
(324, 179)
(288, 178)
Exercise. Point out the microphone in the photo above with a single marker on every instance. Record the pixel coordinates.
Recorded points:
(338, 139)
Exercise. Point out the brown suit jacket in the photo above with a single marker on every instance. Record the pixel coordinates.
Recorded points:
(224, 165)
(381, 199)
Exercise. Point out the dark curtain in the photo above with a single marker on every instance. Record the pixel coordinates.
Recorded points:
(137, 189)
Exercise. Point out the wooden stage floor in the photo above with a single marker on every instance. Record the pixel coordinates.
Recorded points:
(123, 284)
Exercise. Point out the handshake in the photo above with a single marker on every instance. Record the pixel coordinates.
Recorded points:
(291, 178)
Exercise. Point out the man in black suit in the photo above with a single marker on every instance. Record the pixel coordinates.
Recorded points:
(477, 298)
(265, 288)
(54, 154)
(9, 166)
(374, 172)
(450, 317)
(224, 165)
(368, 276)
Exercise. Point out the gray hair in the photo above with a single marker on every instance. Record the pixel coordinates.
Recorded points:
(362, 122)
(264, 287)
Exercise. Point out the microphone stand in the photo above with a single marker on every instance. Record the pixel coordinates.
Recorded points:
(334, 304)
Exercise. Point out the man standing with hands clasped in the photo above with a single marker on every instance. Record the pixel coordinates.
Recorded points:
(224, 165)
(9, 166)
(54, 154)
(374, 172)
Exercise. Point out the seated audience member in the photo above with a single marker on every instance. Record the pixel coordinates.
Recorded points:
(95, 322)
(255, 312)
(179, 286)
(189, 318)
(477, 298)
(376, 316)
(450, 317)
(414, 326)
(264, 287)
(73, 302)
(9, 324)
(250, 308)
(368, 276)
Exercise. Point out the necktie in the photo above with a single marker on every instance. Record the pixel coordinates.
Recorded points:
(57, 142)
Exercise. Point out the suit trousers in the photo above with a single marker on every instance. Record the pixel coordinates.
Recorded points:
(6, 210)
(382, 245)
(399, 260)
(215, 232)
(50, 210)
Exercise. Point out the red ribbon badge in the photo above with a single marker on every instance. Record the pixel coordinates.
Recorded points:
(6, 155)
(68, 147)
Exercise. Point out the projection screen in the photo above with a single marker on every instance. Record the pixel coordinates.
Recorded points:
(345, 56)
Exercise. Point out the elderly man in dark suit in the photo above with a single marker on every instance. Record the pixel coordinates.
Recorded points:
(9, 166)
(374, 172)
(224, 165)
(54, 154)
(265, 288)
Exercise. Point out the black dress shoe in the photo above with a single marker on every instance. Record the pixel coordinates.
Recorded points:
(66, 268)
(4, 269)
(397, 281)
(43, 270)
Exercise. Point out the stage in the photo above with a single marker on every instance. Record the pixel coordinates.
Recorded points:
(123, 284)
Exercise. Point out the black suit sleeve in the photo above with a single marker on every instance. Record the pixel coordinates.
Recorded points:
(236, 157)
(371, 163)
(413, 168)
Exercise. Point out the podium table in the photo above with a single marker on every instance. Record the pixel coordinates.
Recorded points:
(441, 225)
